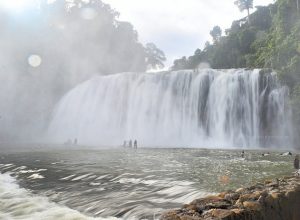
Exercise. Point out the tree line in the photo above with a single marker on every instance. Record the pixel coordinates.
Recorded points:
(75, 40)
(267, 38)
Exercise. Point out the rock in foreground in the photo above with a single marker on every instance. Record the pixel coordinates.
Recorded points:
(272, 200)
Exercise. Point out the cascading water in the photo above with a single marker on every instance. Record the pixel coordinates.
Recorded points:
(205, 108)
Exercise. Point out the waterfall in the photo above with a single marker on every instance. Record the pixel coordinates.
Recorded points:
(203, 108)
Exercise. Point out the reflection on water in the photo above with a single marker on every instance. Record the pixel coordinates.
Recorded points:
(128, 184)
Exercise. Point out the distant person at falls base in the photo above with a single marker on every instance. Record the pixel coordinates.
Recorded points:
(75, 141)
(243, 154)
(297, 165)
(135, 144)
(125, 144)
(130, 144)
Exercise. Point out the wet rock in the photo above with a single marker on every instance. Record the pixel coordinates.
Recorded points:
(252, 205)
(222, 195)
(275, 195)
(180, 215)
(222, 213)
(249, 197)
(240, 190)
(238, 211)
(268, 182)
(211, 202)
(273, 184)
(261, 199)
(277, 199)
(218, 205)
(232, 196)
(238, 203)
(190, 207)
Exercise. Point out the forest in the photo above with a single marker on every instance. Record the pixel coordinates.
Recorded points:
(74, 41)
(267, 38)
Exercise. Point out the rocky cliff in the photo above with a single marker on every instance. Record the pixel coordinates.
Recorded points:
(272, 200)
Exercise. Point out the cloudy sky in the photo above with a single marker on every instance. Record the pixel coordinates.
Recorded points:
(178, 27)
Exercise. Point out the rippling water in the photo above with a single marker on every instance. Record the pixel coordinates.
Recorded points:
(123, 183)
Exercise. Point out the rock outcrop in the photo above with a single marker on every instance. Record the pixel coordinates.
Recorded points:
(272, 200)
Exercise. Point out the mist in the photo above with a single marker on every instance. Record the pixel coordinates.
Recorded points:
(94, 126)
(51, 46)
(48, 49)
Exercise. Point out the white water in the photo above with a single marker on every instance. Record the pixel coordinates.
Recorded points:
(209, 108)
(18, 203)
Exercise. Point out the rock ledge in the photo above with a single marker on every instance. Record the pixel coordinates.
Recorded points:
(272, 200)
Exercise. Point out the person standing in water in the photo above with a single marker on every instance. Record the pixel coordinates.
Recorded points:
(135, 144)
(243, 154)
(297, 165)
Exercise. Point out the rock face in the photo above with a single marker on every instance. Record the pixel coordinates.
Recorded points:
(272, 200)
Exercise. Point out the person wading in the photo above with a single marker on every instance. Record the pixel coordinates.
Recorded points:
(296, 165)
(135, 144)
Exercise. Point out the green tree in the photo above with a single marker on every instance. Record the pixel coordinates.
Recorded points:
(180, 64)
(244, 5)
(75, 39)
(216, 33)
(154, 56)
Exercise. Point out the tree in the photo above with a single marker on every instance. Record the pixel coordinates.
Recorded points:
(206, 45)
(180, 64)
(75, 39)
(154, 56)
(216, 33)
(244, 5)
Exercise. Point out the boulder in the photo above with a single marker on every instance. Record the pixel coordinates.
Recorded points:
(277, 199)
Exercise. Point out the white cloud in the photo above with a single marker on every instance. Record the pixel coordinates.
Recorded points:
(178, 26)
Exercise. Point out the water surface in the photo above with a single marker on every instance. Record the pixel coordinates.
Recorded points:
(123, 183)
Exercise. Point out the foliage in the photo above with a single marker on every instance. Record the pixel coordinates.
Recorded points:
(75, 39)
(244, 5)
(271, 40)
(154, 56)
(216, 33)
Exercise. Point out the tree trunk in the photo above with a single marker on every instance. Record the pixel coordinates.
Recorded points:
(248, 11)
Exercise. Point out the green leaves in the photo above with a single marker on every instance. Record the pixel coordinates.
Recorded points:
(216, 34)
(244, 4)
(271, 40)
(154, 56)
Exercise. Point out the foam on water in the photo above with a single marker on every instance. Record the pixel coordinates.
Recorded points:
(18, 203)
(22, 171)
(84, 176)
(36, 176)
(68, 177)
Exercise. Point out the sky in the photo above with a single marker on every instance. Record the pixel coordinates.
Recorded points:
(178, 27)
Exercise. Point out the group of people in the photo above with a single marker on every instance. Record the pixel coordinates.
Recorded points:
(70, 142)
(130, 145)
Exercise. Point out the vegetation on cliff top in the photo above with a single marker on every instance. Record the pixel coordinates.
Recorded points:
(271, 39)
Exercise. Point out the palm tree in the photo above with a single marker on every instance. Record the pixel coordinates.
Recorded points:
(244, 5)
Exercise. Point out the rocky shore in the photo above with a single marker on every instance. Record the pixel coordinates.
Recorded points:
(277, 199)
